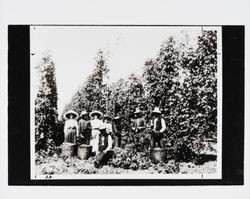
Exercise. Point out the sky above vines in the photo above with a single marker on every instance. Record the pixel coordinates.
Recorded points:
(73, 49)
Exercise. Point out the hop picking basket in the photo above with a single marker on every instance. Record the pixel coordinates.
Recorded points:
(84, 151)
(159, 154)
(67, 150)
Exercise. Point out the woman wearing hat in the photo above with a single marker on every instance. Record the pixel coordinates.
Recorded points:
(70, 127)
(159, 127)
(95, 123)
(84, 127)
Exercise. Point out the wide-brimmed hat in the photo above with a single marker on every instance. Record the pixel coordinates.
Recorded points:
(98, 113)
(84, 113)
(156, 110)
(137, 110)
(107, 117)
(70, 112)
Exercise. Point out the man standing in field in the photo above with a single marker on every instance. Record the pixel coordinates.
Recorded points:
(159, 126)
(139, 122)
(117, 131)
(138, 125)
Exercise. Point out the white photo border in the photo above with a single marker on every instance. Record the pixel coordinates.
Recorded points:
(218, 174)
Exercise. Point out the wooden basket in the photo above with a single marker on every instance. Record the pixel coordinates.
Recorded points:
(159, 154)
(84, 151)
(68, 150)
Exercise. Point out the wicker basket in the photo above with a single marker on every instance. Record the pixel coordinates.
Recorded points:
(159, 154)
(68, 150)
(84, 151)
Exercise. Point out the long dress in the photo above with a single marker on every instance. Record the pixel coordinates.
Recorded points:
(70, 131)
(95, 126)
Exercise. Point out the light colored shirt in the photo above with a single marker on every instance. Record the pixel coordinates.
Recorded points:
(71, 123)
(109, 128)
(163, 124)
(96, 123)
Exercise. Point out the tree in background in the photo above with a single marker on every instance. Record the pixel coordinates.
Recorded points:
(162, 82)
(207, 50)
(134, 97)
(125, 96)
(198, 115)
(91, 95)
(182, 82)
(161, 74)
(201, 86)
(46, 100)
(163, 77)
(117, 98)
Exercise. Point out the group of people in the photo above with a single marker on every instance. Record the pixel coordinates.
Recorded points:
(157, 124)
(103, 132)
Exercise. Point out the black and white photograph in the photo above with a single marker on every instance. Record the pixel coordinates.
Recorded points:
(124, 99)
(125, 102)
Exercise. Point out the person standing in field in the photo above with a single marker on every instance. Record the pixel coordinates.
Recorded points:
(139, 122)
(107, 120)
(159, 127)
(84, 128)
(95, 123)
(138, 125)
(70, 127)
(117, 131)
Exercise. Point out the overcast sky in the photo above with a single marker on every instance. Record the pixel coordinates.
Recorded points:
(73, 49)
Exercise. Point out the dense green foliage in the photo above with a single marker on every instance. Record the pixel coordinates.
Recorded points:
(46, 101)
(181, 80)
(91, 95)
(125, 162)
